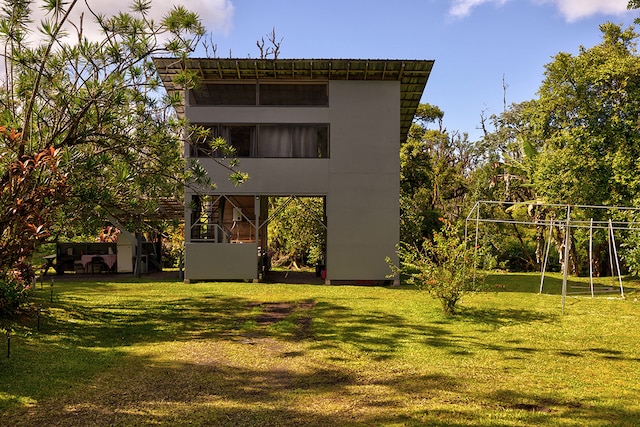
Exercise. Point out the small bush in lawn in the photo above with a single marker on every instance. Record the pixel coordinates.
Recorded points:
(443, 266)
(14, 288)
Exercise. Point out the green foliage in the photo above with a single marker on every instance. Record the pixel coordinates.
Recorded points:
(634, 4)
(296, 233)
(510, 255)
(443, 266)
(577, 143)
(436, 169)
(630, 249)
(172, 246)
(84, 132)
(415, 160)
(585, 123)
(31, 185)
(417, 219)
(427, 113)
(14, 290)
(560, 176)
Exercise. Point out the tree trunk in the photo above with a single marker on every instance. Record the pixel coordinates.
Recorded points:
(574, 262)
(600, 264)
(529, 259)
(558, 238)
(540, 245)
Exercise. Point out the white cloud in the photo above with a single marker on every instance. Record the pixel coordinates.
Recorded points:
(572, 10)
(216, 15)
(461, 8)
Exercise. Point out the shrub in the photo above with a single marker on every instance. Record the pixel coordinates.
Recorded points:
(443, 266)
(14, 288)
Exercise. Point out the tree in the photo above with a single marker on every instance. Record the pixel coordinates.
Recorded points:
(506, 174)
(586, 123)
(85, 131)
(33, 183)
(296, 235)
(578, 142)
(435, 175)
(418, 217)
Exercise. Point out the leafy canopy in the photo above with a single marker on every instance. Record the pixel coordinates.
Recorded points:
(85, 130)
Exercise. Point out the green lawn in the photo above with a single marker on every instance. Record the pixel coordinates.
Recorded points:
(167, 353)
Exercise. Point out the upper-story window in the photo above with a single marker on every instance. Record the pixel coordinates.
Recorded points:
(294, 141)
(268, 94)
(223, 94)
(268, 140)
(294, 94)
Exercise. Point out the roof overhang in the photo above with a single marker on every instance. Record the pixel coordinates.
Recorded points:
(412, 75)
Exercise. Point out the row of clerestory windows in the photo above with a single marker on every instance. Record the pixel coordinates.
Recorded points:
(314, 94)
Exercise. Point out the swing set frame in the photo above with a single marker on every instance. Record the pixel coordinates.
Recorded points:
(611, 225)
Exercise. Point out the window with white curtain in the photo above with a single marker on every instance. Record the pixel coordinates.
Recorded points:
(273, 140)
(294, 141)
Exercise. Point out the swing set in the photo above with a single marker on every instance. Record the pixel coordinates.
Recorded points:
(565, 217)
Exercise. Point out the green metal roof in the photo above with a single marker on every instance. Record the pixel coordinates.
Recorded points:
(412, 74)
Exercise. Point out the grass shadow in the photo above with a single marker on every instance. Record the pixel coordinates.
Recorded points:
(498, 317)
(256, 356)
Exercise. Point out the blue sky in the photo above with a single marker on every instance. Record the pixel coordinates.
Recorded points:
(474, 47)
(475, 43)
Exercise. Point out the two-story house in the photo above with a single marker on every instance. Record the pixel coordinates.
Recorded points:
(328, 128)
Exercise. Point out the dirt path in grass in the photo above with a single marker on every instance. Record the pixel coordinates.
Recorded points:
(245, 380)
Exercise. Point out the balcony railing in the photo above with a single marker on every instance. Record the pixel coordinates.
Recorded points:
(210, 232)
